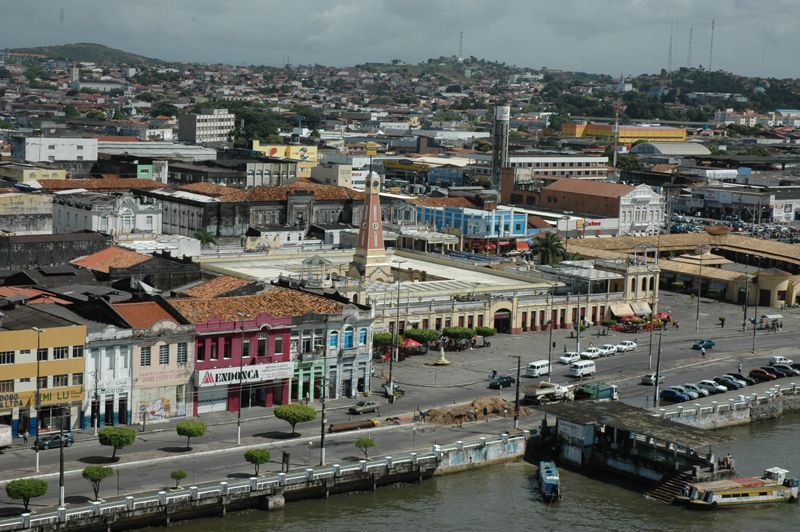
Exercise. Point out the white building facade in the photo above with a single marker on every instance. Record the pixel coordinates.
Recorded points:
(105, 213)
(107, 378)
(213, 127)
(641, 212)
(54, 149)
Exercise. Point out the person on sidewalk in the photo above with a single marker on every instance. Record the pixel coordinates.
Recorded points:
(740, 367)
(25, 437)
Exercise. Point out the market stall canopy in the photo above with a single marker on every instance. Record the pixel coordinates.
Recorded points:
(621, 309)
(410, 342)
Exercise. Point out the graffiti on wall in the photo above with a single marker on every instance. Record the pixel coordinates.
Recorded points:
(158, 408)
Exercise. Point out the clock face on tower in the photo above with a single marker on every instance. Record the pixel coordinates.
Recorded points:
(376, 184)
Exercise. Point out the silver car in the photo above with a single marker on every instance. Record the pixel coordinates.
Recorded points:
(694, 388)
(711, 386)
(691, 393)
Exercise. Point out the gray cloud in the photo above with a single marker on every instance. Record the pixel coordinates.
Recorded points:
(612, 36)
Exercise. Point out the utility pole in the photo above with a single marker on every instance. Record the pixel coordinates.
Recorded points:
(395, 341)
(323, 420)
(61, 460)
(96, 401)
(241, 385)
(38, 392)
(758, 293)
(550, 341)
(516, 395)
(658, 369)
(702, 250)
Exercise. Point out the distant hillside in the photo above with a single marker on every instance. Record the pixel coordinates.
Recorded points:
(89, 52)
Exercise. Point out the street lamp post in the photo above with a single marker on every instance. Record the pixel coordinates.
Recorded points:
(60, 460)
(758, 294)
(323, 399)
(658, 369)
(310, 445)
(549, 309)
(241, 385)
(702, 250)
(395, 341)
(413, 439)
(38, 392)
(516, 394)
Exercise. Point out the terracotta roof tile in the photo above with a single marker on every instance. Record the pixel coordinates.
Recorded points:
(31, 295)
(216, 287)
(143, 315)
(456, 201)
(589, 188)
(279, 302)
(281, 193)
(208, 189)
(101, 184)
(111, 257)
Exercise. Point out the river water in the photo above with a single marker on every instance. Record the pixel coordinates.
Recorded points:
(505, 497)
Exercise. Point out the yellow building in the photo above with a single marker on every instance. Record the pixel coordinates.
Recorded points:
(54, 354)
(306, 156)
(23, 172)
(627, 134)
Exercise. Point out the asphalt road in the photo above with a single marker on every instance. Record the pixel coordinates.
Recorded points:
(146, 465)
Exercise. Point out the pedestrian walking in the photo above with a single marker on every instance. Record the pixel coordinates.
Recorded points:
(25, 437)
(486, 413)
(740, 367)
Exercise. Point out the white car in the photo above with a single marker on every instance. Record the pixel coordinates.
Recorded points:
(625, 346)
(569, 357)
(590, 353)
(711, 386)
(607, 350)
(695, 388)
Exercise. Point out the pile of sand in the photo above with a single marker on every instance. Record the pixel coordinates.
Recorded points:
(462, 413)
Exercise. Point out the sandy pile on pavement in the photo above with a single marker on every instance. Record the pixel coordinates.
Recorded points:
(496, 406)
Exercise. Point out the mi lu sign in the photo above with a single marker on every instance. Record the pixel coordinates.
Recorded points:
(247, 374)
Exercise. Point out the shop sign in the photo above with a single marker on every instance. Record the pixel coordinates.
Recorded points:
(246, 374)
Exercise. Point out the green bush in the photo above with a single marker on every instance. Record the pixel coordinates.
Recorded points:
(117, 437)
(608, 323)
(191, 428)
(458, 333)
(257, 457)
(26, 489)
(423, 336)
(383, 339)
(365, 444)
(294, 414)
(485, 331)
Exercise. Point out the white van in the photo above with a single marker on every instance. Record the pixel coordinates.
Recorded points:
(778, 359)
(538, 368)
(582, 368)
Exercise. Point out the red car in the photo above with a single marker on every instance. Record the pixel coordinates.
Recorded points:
(762, 375)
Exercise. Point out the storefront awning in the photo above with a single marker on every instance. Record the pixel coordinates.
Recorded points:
(641, 307)
(523, 246)
(621, 309)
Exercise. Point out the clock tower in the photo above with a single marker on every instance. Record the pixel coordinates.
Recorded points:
(369, 261)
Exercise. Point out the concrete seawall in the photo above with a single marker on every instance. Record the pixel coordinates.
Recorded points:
(274, 491)
(772, 403)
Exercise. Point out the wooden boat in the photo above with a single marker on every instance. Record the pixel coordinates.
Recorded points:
(773, 487)
(549, 482)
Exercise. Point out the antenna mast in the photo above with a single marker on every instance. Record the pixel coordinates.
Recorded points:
(669, 56)
(689, 52)
(461, 45)
(711, 48)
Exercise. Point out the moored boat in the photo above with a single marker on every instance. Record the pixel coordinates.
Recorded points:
(549, 482)
(773, 487)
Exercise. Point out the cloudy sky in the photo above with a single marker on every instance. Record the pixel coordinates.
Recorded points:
(612, 36)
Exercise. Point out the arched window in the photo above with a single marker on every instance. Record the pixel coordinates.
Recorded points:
(262, 344)
(348, 338)
(362, 336)
(644, 284)
(633, 284)
(333, 340)
(652, 283)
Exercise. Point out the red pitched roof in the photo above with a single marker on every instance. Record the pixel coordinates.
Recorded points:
(589, 188)
(279, 302)
(208, 189)
(143, 315)
(31, 295)
(216, 287)
(111, 257)
(101, 184)
(281, 193)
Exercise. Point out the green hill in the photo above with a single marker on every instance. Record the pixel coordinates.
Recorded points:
(90, 52)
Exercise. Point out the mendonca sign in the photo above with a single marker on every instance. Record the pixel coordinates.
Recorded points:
(247, 374)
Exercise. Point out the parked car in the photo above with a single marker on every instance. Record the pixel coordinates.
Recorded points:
(741, 383)
(704, 344)
(363, 407)
(779, 372)
(729, 382)
(701, 392)
(607, 350)
(762, 375)
(591, 353)
(650, 379)
(795, 365)
(673, 396)
(569, 357)
(626, 345)
(779, 359)
(502, 382)
(54, 441)
(712, 386)
(792, 371)
(739, 377)
(692, 394)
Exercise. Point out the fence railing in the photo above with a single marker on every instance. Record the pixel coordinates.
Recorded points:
(741, 402)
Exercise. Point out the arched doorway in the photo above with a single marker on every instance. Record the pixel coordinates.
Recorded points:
(502, 321)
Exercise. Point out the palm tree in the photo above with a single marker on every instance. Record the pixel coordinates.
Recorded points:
(549, 247)
(206, 239)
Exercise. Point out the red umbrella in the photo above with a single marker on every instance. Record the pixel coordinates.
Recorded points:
(410, 342)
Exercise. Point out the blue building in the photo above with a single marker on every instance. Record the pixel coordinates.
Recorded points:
(480, 229)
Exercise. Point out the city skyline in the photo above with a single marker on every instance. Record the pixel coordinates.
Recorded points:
(627, 37)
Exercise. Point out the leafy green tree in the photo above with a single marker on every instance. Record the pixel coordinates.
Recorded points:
(26, 489)
(70, 111)
(548, 246)
(423, 336)
(148, 96)
(96, 114)
(163, 108)
(5, 124)
(364, 444)
(95, 475)
(191, 428)
(206, 239)
(383, 339)
(295, 413)
(117, 437)
(177, 475)
(258, 457)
